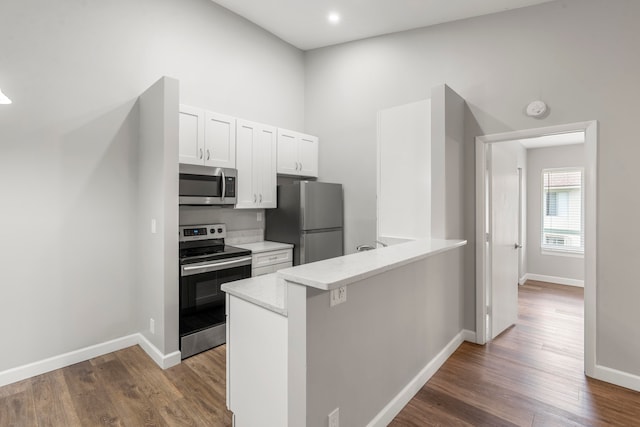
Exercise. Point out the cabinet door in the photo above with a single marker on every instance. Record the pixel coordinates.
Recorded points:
(308, 155)
(219, 140)
(265, 179)
(191, 135)
(277, 256)
(245, 142)
(287, 152)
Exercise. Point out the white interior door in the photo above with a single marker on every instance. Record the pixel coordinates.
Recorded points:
(504, 210)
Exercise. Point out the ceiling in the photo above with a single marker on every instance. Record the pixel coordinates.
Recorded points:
(553, 140)
(304, 23)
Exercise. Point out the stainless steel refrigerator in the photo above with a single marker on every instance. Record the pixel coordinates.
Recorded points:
(309, 216)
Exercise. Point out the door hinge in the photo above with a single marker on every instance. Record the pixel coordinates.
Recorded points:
(487, 237)
(489, 310)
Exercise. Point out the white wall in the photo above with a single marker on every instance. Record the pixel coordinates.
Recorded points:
(447, 163)
(68, 144)
(577, 55)
(538, 159)
(404, 172)
(362, 353)
(156, 251)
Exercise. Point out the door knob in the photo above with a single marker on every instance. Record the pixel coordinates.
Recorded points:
(517, 246)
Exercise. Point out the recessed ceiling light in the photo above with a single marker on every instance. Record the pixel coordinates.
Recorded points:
(333, 18)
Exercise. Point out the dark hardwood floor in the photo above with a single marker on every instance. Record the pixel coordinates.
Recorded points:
(531, 375)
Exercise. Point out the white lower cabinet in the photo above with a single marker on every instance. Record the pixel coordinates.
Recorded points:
(257, 371)
(256, 164)
(270, 262)
(259, 271)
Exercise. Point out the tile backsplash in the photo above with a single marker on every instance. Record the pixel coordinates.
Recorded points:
(245, 236)
(242, 224)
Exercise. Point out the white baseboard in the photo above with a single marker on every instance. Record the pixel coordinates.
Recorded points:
(165, 361)
(469, 336)
(29, 370)
(396, 404)
(620, 378)
(522, 279)
(554, 279)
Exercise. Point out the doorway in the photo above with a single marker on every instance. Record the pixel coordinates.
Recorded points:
(484, 284)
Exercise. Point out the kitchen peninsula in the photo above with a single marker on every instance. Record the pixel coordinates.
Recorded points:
(354, 336)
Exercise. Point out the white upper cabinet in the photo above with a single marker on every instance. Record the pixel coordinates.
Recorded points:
(266, 161)
(219, 140)
(207, 138)
(297, 153)
(308, 155)
(191, 135)
(256, 164)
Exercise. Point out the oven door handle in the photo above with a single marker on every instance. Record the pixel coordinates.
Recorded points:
(188, 270)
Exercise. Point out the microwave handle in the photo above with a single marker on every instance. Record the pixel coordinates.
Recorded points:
(224, 185)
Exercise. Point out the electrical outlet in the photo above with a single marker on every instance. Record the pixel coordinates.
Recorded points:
(334, 418)
(338, 296)
(259, 217)
(152, 326)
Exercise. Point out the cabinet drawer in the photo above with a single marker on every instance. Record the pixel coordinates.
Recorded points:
(259, 271)
(272, 257)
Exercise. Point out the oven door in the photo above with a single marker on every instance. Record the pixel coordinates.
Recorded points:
(200, 282)
(202, 302)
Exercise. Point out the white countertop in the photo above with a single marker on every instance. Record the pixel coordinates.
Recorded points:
(337, 272)
(269, 291)
(266, 291)
(265, 246)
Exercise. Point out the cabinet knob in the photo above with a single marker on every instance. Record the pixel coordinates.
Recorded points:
(208, 154)
(261, 198)
(201, 153)
(255, 198)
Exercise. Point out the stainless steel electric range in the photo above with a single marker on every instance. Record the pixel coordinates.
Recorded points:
(206, 263)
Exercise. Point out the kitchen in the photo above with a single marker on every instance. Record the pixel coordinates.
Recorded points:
(211, 146)
(77, 125)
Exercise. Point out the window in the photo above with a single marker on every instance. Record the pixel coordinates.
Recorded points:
(552, 203)
(562, 211)
(554, 240)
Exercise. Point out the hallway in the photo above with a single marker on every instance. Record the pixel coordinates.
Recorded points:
(531, 375)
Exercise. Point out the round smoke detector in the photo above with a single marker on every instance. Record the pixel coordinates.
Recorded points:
(536, 109)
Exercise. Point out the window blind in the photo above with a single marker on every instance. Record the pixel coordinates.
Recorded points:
(562, 226)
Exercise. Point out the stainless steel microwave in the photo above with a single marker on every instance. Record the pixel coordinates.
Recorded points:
(207, 186)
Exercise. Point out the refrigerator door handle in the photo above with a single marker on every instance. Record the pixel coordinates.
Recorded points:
(320, 230)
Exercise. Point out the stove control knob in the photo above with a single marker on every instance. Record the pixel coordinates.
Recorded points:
(219, 230)
(212, 231)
